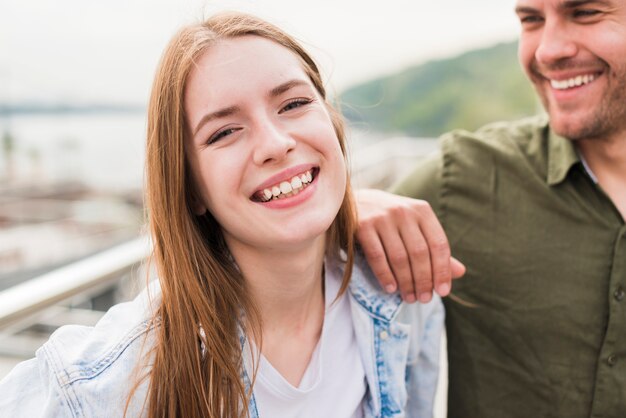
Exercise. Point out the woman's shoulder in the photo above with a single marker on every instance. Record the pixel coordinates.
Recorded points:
(82, 352)
(366, 290)
(81, 371)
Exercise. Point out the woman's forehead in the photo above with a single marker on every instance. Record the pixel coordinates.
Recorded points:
(236, 68)
(240, 58)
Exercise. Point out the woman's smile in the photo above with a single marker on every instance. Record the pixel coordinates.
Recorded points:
(290, 186)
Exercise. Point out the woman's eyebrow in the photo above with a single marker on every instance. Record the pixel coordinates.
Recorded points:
(281, 88)
(222, 113)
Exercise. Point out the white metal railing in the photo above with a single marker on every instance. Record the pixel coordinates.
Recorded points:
(26, 299)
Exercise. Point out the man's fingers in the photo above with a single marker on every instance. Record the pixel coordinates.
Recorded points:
(405, 245)
(376, 257)
(398, 258)
(419, 259)
(439, 249)
(458, 268)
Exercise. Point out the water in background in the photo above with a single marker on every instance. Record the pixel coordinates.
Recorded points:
(104, 151)
(69, 187)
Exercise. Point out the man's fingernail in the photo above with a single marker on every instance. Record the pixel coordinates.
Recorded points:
(409, 298)
(390, 288)
(443, 289)
(424, 297)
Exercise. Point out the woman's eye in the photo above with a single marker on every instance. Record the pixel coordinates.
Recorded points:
(294, 104)
(221, 134)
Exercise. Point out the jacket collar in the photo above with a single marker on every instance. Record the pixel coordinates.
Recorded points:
(366, 291)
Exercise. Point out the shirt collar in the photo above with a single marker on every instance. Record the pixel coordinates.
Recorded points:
(562, 155)
(588, 169)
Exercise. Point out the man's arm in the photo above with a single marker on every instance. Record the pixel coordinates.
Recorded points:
(402, 239)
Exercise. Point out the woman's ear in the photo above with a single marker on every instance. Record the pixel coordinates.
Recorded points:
(197, 206)
(195, 200)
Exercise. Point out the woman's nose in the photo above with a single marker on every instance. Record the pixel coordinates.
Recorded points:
(272, 143)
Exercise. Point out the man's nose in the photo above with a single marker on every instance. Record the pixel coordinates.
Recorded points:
(557, 43)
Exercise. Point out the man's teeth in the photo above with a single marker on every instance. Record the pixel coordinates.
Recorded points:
(287, 188)
(572, 82)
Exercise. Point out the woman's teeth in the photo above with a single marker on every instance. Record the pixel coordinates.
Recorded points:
(287, 188)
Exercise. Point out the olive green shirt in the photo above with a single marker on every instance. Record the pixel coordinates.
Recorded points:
(537, 328)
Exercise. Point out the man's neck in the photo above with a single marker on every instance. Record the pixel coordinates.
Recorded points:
(607, 161)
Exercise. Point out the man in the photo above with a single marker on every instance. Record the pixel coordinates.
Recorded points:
(535, 209)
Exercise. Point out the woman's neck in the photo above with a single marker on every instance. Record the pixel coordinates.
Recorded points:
(285, 285)
(287, 288)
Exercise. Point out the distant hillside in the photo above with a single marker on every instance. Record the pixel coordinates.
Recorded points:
(462, 92)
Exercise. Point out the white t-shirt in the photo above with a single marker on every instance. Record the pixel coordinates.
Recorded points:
(333, 384)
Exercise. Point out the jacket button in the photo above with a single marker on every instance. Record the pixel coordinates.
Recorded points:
(612, 360)
(619, 294)
(384, 335)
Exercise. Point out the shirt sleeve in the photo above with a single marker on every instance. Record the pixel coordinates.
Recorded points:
(424, 181)
(31, 390)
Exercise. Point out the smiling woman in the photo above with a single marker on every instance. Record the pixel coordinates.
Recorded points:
(276, 128)
(263, 308)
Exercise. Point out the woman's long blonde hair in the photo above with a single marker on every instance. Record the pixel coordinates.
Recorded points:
(196, 365)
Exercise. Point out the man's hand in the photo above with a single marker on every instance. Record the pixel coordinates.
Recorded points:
(405, 245)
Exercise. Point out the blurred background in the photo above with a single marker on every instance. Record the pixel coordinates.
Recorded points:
(75, 77)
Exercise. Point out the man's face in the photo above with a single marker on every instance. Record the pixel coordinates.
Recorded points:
(574, 52)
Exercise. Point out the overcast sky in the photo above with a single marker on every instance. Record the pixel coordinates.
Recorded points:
(107, 50)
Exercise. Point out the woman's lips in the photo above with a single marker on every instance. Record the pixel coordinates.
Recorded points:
(286, 188)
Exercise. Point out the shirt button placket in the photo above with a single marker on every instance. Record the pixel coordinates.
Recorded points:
(611, 360)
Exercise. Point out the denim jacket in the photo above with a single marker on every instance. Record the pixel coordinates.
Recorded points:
(88, 371)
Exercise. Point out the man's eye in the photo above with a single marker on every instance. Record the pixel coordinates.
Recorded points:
(295, 103)
(221, 134)
(583, 13)
(530, 19)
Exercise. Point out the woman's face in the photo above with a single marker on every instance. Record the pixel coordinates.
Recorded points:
(265, 157)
